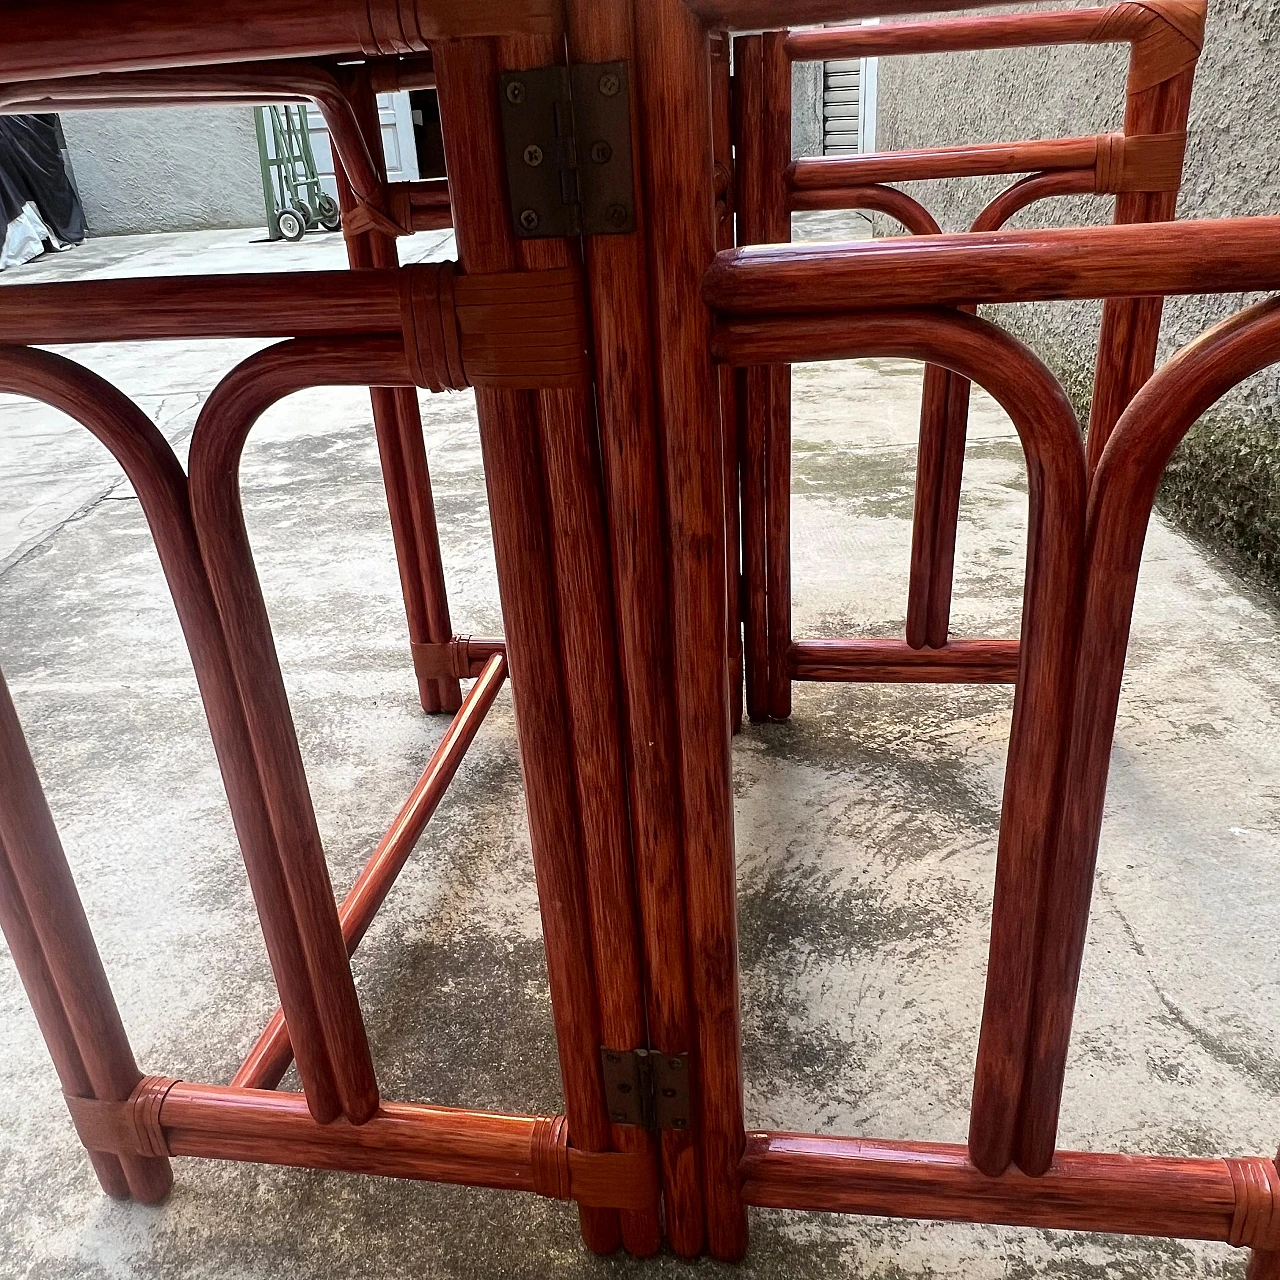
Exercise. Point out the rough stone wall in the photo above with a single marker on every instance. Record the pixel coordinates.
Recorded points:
(176, 169)
(1224, 482)
(806, 109)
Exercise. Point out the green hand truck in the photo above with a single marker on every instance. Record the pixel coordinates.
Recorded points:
(296, 202)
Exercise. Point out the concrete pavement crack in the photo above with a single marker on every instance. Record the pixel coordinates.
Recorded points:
(81, 512)
(1259, 1067)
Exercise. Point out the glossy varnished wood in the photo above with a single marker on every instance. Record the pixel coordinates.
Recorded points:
(753, 15)
(126, 35)
(52, 944)
(266, 1063)
(754, 383)
(900, 662)
(231, 306)
(674, 101)
(589, 648)
(1143, 164)
(216, 444)
(1025, 192)
(824, 173)
(1055, 462)
(510, 434)
(1081, 1191)
(775, 226)
(956, 35)
(1131, 326)
(404, 1140)
(397, 422)
(260, 83)
(763, 84)
(1225, 256)
(1121, 498)
(631, 449)
(730, 382)
(162, 492)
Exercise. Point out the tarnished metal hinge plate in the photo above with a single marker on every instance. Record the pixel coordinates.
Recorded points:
(567, 135)
(647, 1088)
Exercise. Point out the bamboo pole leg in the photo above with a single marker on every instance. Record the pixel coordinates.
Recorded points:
(1131, 326)
(1126, 359)
(775, 228)
(1264, 1264)
(466, 73)
(28, 956)
(397, 424)
(753, 408)
(674, 104)
(722, 123)
(163, 492)
(601, 31)
(731, 421)
(386, 405)
(422, 507)
(1122, 494)
(944, 424)
(948, 517)
(924, 521)
(216, 446)
(584, 595)
(415, 478)
(751, 400)
(778, 540)
(45, 924)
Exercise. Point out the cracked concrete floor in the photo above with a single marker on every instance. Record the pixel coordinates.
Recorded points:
(866, 837)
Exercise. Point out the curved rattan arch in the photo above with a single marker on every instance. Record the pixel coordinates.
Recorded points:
(1121, 498)
(267, 82)
(1046, 425)
(162, 489)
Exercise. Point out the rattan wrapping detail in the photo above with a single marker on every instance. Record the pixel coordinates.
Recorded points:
(131, 1127)
(1139, 162)
(395, 27)
(429, 317)
(1256, 1223)
(550, 1151)
(519, 329)
(1166, 35)
(395, 220)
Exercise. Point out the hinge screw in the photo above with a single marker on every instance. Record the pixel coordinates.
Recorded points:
(617, 215)
(533, 155)
(610, 84)
(601, 152)
(529, 219)
(515, 92)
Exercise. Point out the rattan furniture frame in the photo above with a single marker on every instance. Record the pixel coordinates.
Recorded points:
(1141, 167)
(594, 366)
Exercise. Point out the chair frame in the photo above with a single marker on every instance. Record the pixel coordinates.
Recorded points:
(1143, 168)
(1011, 1170)
(605, 470)
(375, 212)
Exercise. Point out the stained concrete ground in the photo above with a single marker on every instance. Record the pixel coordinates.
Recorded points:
(866, 831)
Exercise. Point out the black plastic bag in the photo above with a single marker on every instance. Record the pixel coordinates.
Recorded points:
(31, 170)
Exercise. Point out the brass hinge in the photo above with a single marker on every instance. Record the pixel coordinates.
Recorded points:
(567, 133)
(647, 1088)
